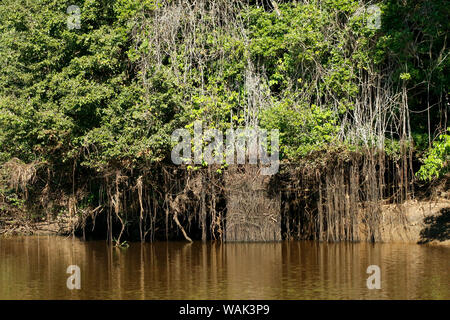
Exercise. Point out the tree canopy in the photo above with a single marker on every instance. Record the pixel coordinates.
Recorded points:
(111, 92)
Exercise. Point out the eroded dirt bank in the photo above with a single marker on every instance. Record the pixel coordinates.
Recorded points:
(422, 222)
(352, 198)
(425, 222)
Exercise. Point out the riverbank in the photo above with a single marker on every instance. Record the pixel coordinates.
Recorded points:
(13, 226)
(333, 201)
(422, 222)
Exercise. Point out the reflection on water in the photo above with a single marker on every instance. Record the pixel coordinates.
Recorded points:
(35, 268)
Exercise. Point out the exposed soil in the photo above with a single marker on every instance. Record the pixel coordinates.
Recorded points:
(417, 221)
(423, 222)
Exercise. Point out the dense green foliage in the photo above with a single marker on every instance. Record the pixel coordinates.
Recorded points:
(96, 96)
(436, 162)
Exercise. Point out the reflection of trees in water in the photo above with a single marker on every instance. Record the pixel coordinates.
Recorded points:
(36, 268)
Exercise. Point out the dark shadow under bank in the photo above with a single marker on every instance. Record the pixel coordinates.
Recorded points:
(437, 227)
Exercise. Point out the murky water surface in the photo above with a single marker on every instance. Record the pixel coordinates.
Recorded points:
(35, 268)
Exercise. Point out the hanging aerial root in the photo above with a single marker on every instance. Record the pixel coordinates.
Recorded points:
(175, 218)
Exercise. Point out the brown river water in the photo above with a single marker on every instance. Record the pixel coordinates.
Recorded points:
(36, 268)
